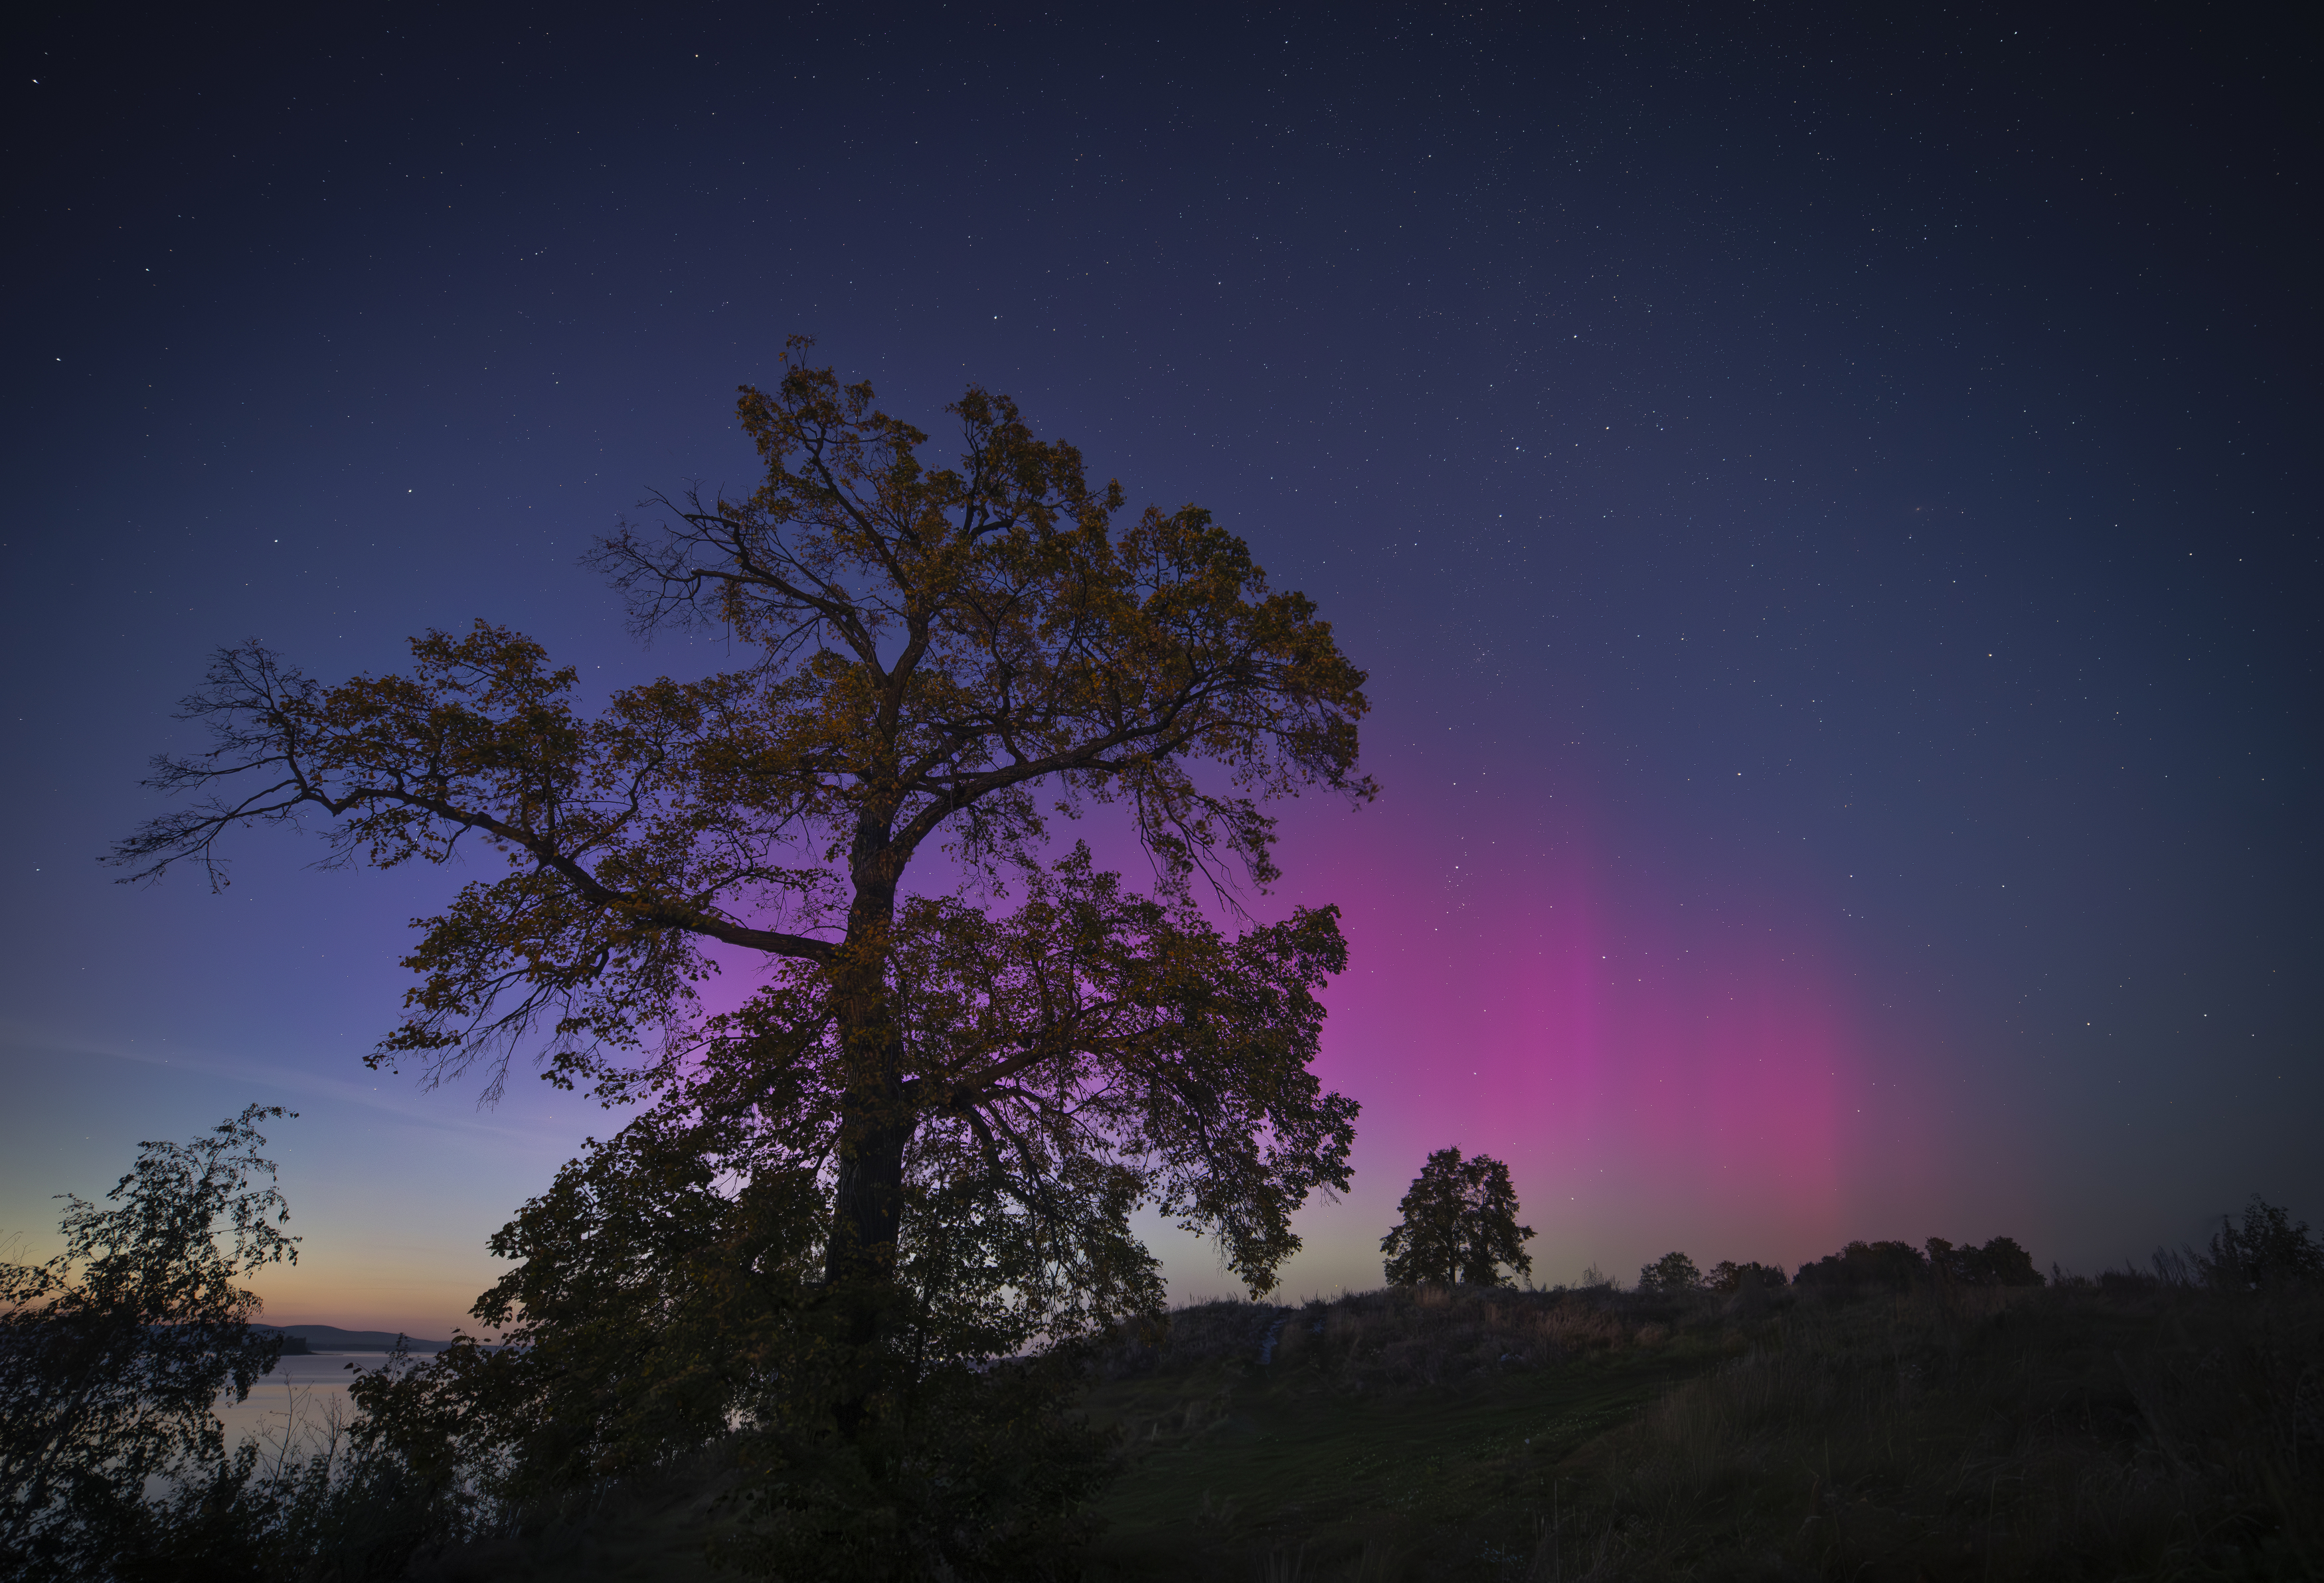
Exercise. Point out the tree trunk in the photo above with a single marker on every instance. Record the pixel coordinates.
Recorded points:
(875, 1121)
(867, 1208)
(876, 1125)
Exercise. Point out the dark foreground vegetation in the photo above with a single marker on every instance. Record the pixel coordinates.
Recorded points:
(2165, 1424)
(2133, 1427)
(663, 1410)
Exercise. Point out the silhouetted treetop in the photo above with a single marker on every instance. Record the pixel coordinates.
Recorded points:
(2268, 1249)
(1728, 1275)
(950, 636)
(1674, 1272)
(973, 1086)
(2001, 1262)
(1459, 1224)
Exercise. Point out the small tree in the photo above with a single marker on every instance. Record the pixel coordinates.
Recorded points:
(1674, 1272)
(1460, 1224)
(113, 1352)
(2268, 1249)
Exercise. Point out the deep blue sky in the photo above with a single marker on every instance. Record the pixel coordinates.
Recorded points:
(1826, 502)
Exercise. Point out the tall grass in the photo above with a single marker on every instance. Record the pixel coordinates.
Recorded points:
(2133, 1429)
(2072, 1432)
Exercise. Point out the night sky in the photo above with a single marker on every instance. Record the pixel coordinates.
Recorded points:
(1827, 503)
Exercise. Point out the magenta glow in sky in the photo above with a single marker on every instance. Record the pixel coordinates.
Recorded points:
(1660, 1068)
(1824, 502)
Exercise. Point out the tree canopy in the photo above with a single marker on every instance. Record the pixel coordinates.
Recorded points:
(1459, 1224)
(1728, 1275)
(994, 1073)
(2269, 1249)
(1674, 1272)
(2000, 1262)
(113, 1352)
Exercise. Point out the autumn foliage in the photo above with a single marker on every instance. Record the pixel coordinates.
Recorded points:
(938, 1110)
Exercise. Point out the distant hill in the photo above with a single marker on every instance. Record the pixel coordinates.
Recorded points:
(331, 1338)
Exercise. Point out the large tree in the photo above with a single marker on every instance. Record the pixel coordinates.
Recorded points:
(933, 657)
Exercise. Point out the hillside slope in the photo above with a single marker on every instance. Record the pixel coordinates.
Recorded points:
(2129, 1431)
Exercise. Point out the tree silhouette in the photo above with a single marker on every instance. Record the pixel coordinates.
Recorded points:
(1674, 1272)
(2001, 1262)
(1460, 1224)
(1893, 1264)
(114, 1352)
(933, 658)
(1727, 1275)
(2268, 1249)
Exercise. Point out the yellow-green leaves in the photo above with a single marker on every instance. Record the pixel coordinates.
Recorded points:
(928, 648)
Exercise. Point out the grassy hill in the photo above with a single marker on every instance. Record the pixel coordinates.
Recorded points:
(2077, 1432)
(1379, 1427)
(2128, 1430)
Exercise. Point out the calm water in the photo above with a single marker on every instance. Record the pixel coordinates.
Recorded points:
(299, 1398)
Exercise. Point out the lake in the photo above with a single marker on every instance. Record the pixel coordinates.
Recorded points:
(302, 1393)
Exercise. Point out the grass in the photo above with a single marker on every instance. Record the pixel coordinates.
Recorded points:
(1384, 1423)
(2130, 1430)
(2073, 1432)
(2067, 1433)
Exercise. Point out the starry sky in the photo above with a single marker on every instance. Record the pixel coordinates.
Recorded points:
(1826, 502)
